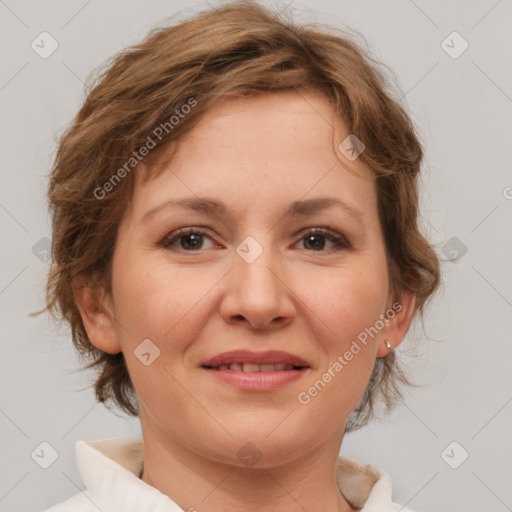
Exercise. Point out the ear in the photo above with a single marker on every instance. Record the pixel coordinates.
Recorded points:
(399, 317)
(96, 310)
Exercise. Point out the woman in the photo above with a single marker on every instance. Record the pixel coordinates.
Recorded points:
(237, 252)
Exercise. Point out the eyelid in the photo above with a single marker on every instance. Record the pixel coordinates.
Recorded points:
(176, 234)
(328, 232)
(338, 239)
(340, 242)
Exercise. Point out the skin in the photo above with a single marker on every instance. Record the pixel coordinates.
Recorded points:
(257, 155)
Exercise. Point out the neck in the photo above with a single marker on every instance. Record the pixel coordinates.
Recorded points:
(196, 482)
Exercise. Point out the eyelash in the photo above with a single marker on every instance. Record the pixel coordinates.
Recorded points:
(341, 243)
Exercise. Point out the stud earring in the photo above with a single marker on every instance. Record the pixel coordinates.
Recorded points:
(386, 341)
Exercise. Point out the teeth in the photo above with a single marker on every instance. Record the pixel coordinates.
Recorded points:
(251, 367)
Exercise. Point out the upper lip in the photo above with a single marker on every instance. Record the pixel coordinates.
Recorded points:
(247, 356)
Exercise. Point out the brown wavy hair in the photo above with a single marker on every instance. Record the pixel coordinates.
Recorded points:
(232, 51)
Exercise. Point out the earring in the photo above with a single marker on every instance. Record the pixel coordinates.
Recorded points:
(386, 341)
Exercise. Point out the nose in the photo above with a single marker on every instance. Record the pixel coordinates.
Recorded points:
(258, 294)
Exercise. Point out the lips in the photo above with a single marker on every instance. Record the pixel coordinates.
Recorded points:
(251, 367)
(252, 362)
(250, 371)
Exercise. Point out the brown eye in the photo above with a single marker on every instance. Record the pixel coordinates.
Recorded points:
(189, 239)
(316, 240)
(193, 240)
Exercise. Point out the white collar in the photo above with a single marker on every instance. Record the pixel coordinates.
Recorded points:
(110, 467)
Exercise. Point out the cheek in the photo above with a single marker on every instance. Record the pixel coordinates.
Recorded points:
(155, 304)
(158, 303)
(347, 309)
(343, 318)
(350, 300)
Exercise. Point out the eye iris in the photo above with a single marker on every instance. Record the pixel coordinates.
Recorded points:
(196, 242)
(312, 237)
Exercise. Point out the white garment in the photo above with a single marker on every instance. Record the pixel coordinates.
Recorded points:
(110, 467)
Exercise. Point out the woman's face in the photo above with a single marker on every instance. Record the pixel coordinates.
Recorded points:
(252, 277)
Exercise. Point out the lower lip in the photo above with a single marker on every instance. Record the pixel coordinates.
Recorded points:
(258, 381)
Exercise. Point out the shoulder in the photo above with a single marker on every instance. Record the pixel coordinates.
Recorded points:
(396, 507)
(77, 503)
(366, 487)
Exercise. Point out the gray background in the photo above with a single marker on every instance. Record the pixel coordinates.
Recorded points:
(462, 107)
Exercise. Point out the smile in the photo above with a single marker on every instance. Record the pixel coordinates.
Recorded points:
(256, 371)
(253, 368)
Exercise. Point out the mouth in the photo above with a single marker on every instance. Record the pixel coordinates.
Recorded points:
(250, 361)
(256, 371)
(252, 368)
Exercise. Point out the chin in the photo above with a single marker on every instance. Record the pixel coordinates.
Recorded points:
(261, 446)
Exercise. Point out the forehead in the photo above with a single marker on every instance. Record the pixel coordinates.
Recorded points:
(264, 148)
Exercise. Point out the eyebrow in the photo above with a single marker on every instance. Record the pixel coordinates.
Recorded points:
(297, 208)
